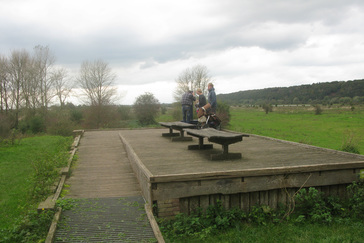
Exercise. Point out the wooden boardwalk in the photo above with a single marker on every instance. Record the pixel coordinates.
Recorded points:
(106, 197)
(103, 168)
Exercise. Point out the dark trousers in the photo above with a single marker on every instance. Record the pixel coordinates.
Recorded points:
(186, 113)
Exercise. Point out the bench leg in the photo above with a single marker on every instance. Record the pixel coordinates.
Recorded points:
(170, 134)
(181, 137)
(225, 154)
(200, 145)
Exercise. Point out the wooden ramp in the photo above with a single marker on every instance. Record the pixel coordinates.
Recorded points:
(106, 197)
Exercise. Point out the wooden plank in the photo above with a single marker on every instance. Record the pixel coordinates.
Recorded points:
(254, 199)
(234, 200)
(264, 198)
(153, 223)
(342, 191)
(53, 227)
(204, 201)
(214, 198)
(260, 171)
(273, 198)
(184, 205)
(194, 203)
(282, 197)
(142, 173)
(334, 190)
(225, 199)
(244, 200)
(251, 184)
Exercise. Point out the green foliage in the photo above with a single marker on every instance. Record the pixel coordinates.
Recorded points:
(267, 108)
(25, 171)
(223, 112)
(313, 216)
(356, 198)
(328, 92)
(311, 205)
(37, 125)
(76, 115)
(201, 223)
(146, 108)
(32, 227)
(318, 109)
(125, 112)
(5, 126)
(350, 143)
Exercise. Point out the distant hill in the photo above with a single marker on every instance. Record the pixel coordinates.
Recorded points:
(345, 92)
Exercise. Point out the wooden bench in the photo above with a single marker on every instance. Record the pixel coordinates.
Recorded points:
(179, 126)
(220, 137)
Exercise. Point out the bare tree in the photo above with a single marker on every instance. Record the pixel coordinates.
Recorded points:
(191, 79)
(17, 73)
(4, 84)
(62, 85)
(44, 61)
(96, 80)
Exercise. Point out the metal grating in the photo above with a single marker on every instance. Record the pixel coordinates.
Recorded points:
(105, 220)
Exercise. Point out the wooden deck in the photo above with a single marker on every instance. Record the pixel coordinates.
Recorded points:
(172, 175)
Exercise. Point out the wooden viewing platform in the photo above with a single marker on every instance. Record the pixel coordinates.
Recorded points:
(269, 172)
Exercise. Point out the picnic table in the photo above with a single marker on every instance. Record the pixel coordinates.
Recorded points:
(179, 126)
(220, 137)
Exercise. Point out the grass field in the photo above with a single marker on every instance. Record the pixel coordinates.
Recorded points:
(331, 129)
(17, 174)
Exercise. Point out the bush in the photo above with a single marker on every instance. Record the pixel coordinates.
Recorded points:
(356, 199)
(37, 125)
(267, 108)
(5, 127)
(223, 112)
(146, 108)
(318, 109)
(350, 143)
(310, 204)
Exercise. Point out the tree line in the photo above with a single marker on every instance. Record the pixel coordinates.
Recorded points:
(328, 93)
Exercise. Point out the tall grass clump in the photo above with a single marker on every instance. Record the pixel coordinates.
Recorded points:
(350, 143)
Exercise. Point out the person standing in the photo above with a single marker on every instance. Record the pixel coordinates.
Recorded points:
(187, 109)
(201, 99)
(212, 97)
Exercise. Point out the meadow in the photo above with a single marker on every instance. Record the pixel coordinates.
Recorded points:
(334, 128)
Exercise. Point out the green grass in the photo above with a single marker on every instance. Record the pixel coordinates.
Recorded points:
(286, 232)
(17, 174)
(299, 124)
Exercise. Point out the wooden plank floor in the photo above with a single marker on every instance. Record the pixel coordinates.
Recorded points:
(103, 168)
(163, 157)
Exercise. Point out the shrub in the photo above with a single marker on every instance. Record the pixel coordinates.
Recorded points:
(5, 127)
(146, 108)
(311, 205)
(356, 199)
(350, 143)
(267, 108)
(37, 125)
(318, 109)
(223, 112)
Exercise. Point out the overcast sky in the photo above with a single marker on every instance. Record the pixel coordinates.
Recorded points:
(244, 44)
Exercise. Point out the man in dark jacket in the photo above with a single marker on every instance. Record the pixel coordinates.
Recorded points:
(212, 97)
(187, 102)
